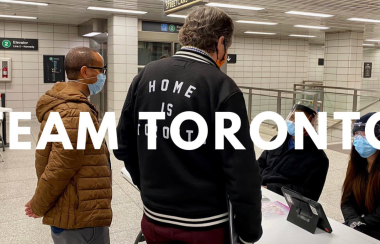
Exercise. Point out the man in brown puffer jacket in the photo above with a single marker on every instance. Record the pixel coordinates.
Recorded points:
(74, 187)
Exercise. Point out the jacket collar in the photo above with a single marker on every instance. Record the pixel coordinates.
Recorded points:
(196, 55)
(308, 143)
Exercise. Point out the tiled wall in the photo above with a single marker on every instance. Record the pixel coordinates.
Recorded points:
(122, 59)
(269, 63)
(27, 83)
(315, 71)
(372, 55)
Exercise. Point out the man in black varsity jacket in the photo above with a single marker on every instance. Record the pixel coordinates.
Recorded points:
(184, 191)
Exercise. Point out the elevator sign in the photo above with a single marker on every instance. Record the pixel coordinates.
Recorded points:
(18, 44)
(171, 6)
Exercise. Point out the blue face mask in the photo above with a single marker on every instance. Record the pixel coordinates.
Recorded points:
(291, 128)
(363, 147)
(98, 85)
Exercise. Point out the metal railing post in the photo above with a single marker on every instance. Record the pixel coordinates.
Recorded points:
(294, 94)
(355, 101)
(279, 103)
(250, 105)
(322, 99)
(315, 107)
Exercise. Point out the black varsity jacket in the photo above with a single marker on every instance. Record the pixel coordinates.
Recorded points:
(188, 188)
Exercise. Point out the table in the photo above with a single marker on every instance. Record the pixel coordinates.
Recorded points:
(279, 230)
(3, 118)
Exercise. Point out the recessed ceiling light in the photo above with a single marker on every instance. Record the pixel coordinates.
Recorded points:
(370, 40)
(117, 10)
(256, 22)
(177, 16)
(294, 35)
(365, 20)
(17, 17)
(313, 27)
(310, 14)
(92, 34)
(23, 2)
(366, 44)
(259, 33)
(223, 5)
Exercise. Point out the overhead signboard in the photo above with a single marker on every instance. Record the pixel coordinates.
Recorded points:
(18, 44)
(160, 27)
(54, 70)
(172, 6)
(231, 58)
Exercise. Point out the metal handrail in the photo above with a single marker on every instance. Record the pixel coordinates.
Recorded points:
(279, 97)
(323, 92)
(362, 109)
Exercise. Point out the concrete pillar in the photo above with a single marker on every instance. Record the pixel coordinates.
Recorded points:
(343, 68)
(122, 59)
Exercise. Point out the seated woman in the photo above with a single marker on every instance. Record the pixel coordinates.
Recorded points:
(361, 189)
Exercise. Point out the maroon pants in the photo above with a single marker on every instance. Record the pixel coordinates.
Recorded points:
(156, 234)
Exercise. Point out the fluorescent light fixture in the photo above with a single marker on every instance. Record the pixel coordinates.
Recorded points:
(313, 27)
(223, 5)
(310, 14)
(117, 10)
(294, 35)
(177, 16)
(366, 44)
(370, 40)
(365, 20)
(256, 22)
(92, 34)
(259, 33)
(23, 2)
(17, 17)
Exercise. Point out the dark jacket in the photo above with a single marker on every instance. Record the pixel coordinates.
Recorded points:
(351, 213)
(303, 171)
(187, 188)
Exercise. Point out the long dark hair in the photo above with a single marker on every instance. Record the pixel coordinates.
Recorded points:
(366, 190)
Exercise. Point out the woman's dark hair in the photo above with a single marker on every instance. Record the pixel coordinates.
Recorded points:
(364, 189)
(203, 28)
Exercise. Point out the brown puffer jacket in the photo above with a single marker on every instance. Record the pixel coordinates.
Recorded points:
(74, 186)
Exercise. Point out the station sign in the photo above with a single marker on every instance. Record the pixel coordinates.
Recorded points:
(54, 70)
(172, 6)
(160, 27)
(18, 44)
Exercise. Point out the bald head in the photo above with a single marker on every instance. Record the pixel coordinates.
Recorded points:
(76, 59)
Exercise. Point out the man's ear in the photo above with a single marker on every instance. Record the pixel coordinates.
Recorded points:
(220, 46)
(83, 72)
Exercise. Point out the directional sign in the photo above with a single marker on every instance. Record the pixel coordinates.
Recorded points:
(171, 6)
(231, 58)
(18, 44)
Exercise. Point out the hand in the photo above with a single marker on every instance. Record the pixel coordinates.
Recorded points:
(29, 211)
(264, 187)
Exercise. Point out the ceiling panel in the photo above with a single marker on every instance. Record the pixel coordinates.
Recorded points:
(75, 12)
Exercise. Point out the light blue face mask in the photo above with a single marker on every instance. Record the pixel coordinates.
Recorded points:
(363, 147)
(291, 128)
(96, 87)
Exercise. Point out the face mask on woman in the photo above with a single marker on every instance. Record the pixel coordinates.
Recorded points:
(96, 87)
(363, 147)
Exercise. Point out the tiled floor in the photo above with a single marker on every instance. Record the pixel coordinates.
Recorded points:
(18, 181)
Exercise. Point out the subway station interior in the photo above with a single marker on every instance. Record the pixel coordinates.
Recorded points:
(324, 53)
